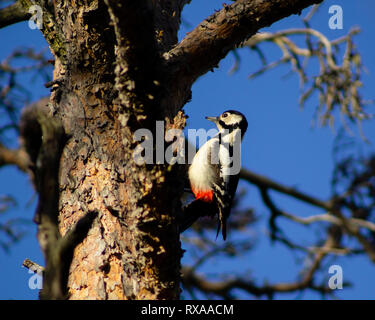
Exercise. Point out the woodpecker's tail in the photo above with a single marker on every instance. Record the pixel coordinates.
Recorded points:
(222, 224)
(223, 201)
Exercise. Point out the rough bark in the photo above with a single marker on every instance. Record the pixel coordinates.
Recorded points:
(132, 251)
(116, 70)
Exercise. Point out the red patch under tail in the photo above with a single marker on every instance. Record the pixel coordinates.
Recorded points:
(206, 195)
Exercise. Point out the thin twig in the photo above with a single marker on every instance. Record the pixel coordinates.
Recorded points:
(33, 266)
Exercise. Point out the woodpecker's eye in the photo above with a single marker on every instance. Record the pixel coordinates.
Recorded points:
(225, 115)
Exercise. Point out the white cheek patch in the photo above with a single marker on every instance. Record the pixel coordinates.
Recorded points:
(232, 119)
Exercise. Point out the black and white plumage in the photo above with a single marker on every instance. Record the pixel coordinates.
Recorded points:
(214, 171)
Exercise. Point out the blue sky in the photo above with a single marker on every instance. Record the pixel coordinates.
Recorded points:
(280, 144)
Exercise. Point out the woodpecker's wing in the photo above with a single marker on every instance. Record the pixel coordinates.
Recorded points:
(226, 190)
(214, 157)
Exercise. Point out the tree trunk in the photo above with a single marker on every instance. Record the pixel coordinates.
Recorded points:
(132, 250)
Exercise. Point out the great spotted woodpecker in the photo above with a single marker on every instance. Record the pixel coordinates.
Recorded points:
(214, 171)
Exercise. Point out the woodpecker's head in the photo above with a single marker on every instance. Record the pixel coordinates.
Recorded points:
(230, 120)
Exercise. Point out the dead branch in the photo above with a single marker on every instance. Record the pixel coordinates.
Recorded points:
(350, 225)
(17, 157)
(264, 182)
(337, 85)
(12, 14)
(203, 48)
(191, 280)
(33, 266)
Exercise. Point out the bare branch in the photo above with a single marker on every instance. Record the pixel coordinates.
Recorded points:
(312, 11)
(203, 48)
(17, 157)
(191, 280)
(264, 182)
(12, 14)
(354, 231)
(327, 217)
(33, 266)
(337, 85)
(350, 225)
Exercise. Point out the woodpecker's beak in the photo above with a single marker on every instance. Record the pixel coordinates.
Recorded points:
(213, 119)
